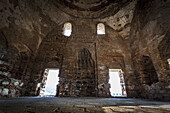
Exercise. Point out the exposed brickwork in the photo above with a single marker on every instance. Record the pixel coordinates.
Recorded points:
(136, 41)
(149, 40)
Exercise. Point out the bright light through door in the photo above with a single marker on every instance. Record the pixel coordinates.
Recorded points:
(52, 81)
(117, 88)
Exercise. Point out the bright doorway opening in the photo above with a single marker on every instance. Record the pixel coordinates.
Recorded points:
(50, 82)
(117, 84)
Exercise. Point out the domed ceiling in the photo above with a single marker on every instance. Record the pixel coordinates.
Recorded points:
(90, 8)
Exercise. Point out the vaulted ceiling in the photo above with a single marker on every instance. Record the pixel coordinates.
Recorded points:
(91, 8)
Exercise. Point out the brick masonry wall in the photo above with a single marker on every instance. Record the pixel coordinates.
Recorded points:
(150, 38)
(31, 44)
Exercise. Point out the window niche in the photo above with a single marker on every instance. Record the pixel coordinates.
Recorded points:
(67, 30)
(100, 29)
(86, 73)
(168, 60)
(149, 73)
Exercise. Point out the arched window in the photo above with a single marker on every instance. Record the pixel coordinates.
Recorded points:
(100, 29)
(67, 29)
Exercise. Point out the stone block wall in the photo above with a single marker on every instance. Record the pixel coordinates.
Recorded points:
(78, 75)
(149, 39)
(103, 79)
(9, 87)
(33, 43)
(84, 73)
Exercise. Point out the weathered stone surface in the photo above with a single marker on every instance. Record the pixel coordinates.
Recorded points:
(150, 46)
(5, 83)
(136, 40)
(5, 92)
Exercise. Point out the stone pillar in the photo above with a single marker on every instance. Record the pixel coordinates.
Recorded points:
(103, 81)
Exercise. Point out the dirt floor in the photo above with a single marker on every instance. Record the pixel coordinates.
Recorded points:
(81, 105)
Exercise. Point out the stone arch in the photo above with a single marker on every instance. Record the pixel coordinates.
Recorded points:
(4, 43)
(22, 65)
(86, 73)
(9, 61)
(85, 59)
(164, 49)
(54, 62)
(147, 71)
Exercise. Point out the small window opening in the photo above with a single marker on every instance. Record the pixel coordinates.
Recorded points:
(117, 84)
(67, 29)
(100, 29)
(168, 60)
(50, 82)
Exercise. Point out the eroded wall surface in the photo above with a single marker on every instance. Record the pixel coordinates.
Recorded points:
(136, 41)
(150, 47)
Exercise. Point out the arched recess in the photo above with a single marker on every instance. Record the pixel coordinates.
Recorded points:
(12, 84)
(147, 71)
(50, 63)
(12, 57)
(113, 42)
(81, 80)
(4, 47)
(85, 60)
(23, 60)
(111, 62)
(86, 74)
(117, 64)
(164, 50)
(3, 43)
(116, 43)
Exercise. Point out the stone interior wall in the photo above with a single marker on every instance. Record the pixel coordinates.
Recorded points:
(150, 47)
(31, 40)
(9, 87)
(13, 68)
(80, 57)
(80, 81)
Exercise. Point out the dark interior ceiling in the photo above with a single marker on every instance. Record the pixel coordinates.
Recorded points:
(90, 8)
